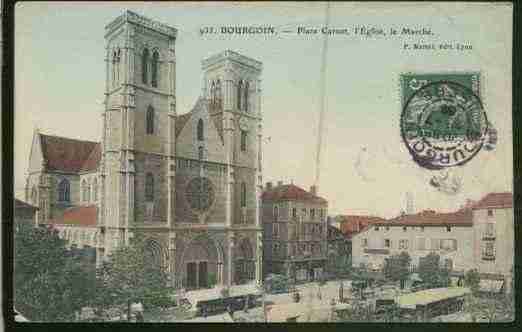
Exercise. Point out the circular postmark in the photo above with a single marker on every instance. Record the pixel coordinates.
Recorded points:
(443, 124)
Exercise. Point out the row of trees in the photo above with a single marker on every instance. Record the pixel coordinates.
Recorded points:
(52, 283)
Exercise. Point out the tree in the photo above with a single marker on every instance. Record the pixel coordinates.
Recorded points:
(397, 267)
(50, 283)
(431, 273)
(472, 280)
(130, 275)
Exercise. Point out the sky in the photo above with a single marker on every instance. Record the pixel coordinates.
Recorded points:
(365, 168)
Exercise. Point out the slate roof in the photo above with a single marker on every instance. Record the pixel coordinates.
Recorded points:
(70, 155)
(77, 216)
(495, 200)
(290, 192)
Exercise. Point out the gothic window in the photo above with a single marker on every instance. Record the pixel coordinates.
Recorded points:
(201, 135)
(149, 187)
(218, 92)
(200, 153)
(239, 94)
(276, 213)
(155, 61)
(34, 196)
(212, 93)
(243, 194)
(64, 191)
(95, 190)
(150, 120)
(245, 97)
(85, 191)
(113, 77)
(144, 66)
(117, 65)
(244, 135)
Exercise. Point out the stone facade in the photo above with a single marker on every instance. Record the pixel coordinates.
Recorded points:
(190, 182)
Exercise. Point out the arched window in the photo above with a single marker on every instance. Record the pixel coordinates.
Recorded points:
(155, 61)
(64, 191)
(213, 93)
(243, 194)
(150, 120)
(200, 153)
(245, 99)
(218, 93)
(113, 77)
(144, 66)
(118, 57)
(239, 94)
(244, 136)
(149, 187)
(201, 135)
(34, 196)
(95, 190)
(85, 191)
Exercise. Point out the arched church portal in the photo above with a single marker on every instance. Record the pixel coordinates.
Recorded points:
(202, 263)
(244, 262)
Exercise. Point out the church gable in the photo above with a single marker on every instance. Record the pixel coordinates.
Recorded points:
(188, 144)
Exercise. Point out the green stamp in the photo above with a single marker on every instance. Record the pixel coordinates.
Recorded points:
(443, 123)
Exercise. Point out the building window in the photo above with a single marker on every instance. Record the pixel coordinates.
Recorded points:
(144, 66)
(404, 229)
(244, 135)
(488, 251)
(275, 230)
(422, 229)
(200, 153)
(448, 244)
(245, 97)
(155, 62)
(149, 187)
(490, 213)
(387, 243)
(85, 191)
(312, 213)
(294, 212)
(364, 243)
(243, 194)
(448, 228)
(150, 120)
(303, 211)
(64, 191)
(239, 94)
(403, 244)
(276, 249)
(95, 190)
(376, 228)
(387, 228)
(276, 212)
(34, 196)
(200, 130)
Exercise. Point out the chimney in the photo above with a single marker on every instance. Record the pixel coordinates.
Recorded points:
(313, 190)
(279, 183)
(268, 185)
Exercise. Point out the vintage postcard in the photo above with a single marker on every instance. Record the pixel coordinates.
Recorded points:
(263, 162)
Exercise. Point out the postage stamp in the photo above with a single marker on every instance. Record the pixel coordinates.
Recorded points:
(443, 121)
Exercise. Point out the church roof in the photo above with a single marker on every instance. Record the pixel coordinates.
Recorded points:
(19, 204)
(182, 119)
(70, 155)
(290, 192)
(77, 216)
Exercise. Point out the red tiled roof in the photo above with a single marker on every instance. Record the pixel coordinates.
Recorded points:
(78, 216)
(495, 200)
(70, 155)
(431, 218)
(351, 224)
(290, 192)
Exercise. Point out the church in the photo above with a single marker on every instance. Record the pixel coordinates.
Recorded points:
(190, 183)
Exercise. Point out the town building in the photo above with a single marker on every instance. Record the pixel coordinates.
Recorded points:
(478, 236)
(294, 231)
(494, 239)
(190, 183)
(448, 234)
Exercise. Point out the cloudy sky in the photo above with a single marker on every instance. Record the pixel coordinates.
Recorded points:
(366, 169)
